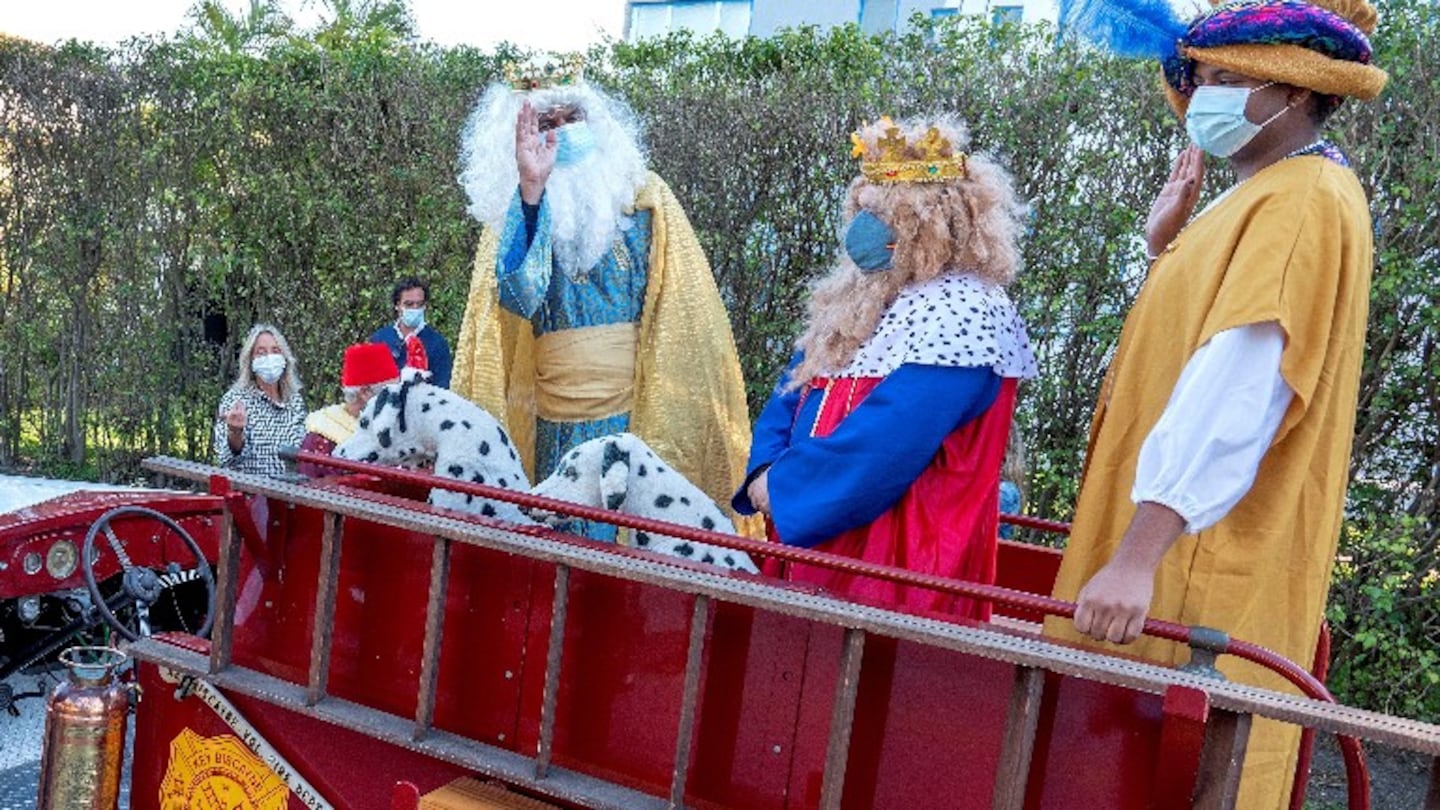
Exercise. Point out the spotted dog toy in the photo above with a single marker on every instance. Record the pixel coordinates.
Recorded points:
(621, 473)
(414, 421)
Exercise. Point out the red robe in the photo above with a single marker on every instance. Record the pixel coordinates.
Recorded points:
(944, 525)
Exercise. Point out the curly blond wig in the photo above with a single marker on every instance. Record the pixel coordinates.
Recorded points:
(969, 225)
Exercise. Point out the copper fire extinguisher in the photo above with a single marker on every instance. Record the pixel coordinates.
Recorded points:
(85, 721)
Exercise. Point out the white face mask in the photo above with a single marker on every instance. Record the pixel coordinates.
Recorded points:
(268, 367)
(413, 318)
(1216, 122)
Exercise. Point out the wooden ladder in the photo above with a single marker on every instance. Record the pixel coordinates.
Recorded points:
(1204, 728)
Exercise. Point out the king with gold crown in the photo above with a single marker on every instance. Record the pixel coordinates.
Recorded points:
(592, 308)
(884, 438)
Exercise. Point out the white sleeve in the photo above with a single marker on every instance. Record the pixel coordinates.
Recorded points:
(1202, 456)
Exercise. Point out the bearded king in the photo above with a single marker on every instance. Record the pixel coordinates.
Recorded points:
(592, 309)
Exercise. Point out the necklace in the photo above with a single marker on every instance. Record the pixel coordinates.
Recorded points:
(1324, 149)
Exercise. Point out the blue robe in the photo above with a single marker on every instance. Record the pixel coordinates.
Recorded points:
(612, 292)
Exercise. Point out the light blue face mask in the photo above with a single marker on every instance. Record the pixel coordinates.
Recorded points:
(268, 367)
(870, 243)
(573, 143)
(413, 318)
(1216, 122)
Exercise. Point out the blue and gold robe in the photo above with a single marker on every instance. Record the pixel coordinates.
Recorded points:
(641, 343)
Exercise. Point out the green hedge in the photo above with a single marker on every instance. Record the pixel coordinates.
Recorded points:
(153, 194)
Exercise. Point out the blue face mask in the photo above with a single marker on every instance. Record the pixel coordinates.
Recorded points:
(1216, 122)
(413, 318)
(870, 243)
(573, 143)
(268, 367)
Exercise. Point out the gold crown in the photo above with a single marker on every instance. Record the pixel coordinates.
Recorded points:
(554, 72)
(901, 161)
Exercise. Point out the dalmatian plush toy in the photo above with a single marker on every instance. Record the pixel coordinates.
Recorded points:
(414, 421)
(621, 473)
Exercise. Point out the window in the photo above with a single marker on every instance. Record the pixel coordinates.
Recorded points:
(939, 18)
(1006, 15)
(731, 17)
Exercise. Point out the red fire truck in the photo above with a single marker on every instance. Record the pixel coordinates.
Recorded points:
(355, 647)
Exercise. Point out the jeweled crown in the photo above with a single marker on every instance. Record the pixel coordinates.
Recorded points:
(561, 71)
(931, 158)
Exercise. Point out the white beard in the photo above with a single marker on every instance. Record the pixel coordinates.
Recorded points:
(589, 203)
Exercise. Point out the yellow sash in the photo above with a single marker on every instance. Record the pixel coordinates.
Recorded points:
(585, 374)
(688, 399)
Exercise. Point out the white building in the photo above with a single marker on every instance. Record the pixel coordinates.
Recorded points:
(761, 18)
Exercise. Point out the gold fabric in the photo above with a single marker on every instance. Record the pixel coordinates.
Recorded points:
(689, 398)
(1290, 245)
(585, 374)
(333, 422)
(1288, 64)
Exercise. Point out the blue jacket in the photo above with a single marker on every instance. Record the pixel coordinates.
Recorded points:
(437, 350)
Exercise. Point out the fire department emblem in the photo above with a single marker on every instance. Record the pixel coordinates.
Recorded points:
(218, 773)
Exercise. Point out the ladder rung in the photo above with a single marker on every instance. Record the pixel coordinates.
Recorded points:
(1432, 799)
(1013, 774)
(1226, 735)
(434, 629)
(689, 699)
(558, 612)
(227, 573)
(324, 623)
(842, 719)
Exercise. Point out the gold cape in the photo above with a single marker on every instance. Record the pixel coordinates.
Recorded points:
(689, 397)
(1291, 245)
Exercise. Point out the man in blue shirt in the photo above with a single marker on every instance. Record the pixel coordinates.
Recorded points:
(409, 298)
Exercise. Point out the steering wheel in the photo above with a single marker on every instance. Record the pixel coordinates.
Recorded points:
(141, 586)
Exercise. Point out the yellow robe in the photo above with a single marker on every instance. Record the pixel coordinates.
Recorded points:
(1293, 245)
(688, 396)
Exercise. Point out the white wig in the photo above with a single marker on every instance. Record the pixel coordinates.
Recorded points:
(587, 201)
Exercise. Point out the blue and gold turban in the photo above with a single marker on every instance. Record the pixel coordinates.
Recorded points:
(1322, 46)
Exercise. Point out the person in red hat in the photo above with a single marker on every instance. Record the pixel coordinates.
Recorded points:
(367, 368)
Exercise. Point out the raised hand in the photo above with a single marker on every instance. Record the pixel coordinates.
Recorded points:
(1175, 204)
(235, 426)
(534, 154)
(235, 417)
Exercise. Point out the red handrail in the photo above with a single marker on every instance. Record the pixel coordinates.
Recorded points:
(1027, 522)
(1358, 778)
